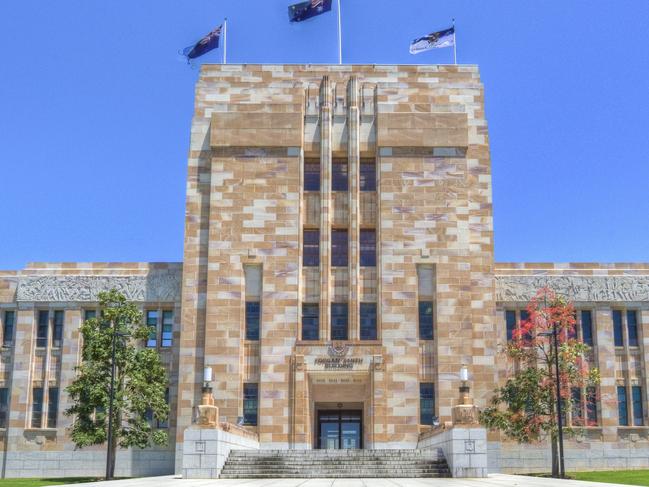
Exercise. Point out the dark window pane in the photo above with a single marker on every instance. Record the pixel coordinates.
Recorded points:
(368, 248)
(425, 320)
(167, 328)
(571, 332)
(510, 319)
(339, 319)
(587, 327)
(577, 411)
(57, 336)
(310, 322)
(638, 416)
(524, 317)
(426, 403)
(622, 410)
(368, 321)
(311, 175)
(250, 401)
(8, 328)
(311, 250)
(591, 406)
(89, 314)
(53, 407)
(339, 177)
(252, 320)
(37, 407)
(617, 328)
(632, 328)
(4, 406)
(152, 323)
(41, 334)
(339, 248)
(368, 176)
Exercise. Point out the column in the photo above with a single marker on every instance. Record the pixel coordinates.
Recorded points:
(353, 167)
(325, 205)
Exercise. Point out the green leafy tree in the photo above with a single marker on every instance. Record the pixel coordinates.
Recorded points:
(140, 381)
(524, 408)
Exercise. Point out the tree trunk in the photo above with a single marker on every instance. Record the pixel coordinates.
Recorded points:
(113, 453)
(555, 456)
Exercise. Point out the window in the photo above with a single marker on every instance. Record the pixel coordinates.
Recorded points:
(311, 248)
(4, 407)
(524, 317)
(152, 323)
(8, 328)
(426, 403)
(57, 337)
(311, 175)
(310, 321)
(339, 318)
(41, 333)
(53, 406)
(591, 406)
(339, 248)
(510, 320)
(449, 151)
(425, 320)
(638, 414)
(577, 411)
(622, 410)
(617, 328)
(368, 176)
(368, 248)
(339, 176)
(250, 401)
(587, 327)
(252, 320)
(632, 328)
(89, 314)
(37, 407)
(167, 328)
(368, 321)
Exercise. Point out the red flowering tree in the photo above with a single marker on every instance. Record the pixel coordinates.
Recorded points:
(524, 408)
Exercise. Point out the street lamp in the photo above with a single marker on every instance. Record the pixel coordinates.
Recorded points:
(109, 454)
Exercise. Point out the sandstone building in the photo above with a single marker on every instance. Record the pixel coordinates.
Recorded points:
(338, 271)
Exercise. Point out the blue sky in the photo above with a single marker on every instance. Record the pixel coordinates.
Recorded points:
(96, 106)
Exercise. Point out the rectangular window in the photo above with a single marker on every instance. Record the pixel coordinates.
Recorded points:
(250, 401)
(4, 407)
(37, 407)
(425, 320)
(638, 413)
(368, 321)
(524, 317)
(339, 321)
(8, 328)
(311, 248)
(41, 333)
(311, 175)
(426, 403)
(252, 320)
(339, 176)
(310, 321)
(368, 248)
(53, 406)
(167, 328)
(89, 314)
(577, 411)
(591, 406)
(152, 323)
(622, 409)
(617, 328)
(587, 327)
(632, 328)
(368, 176)
(571, 331)
(57, 335)
(339, 248)
(510, 320)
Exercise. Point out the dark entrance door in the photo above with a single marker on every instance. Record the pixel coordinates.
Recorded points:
(340, 429)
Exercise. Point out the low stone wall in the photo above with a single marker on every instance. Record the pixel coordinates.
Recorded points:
(465, 449)
(205, 450)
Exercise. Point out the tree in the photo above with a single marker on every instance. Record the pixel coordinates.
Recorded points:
(524, 408)
(140, 381)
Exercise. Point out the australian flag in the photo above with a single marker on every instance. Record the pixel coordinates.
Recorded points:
(442, 38)
(206, 44)
(305, 10)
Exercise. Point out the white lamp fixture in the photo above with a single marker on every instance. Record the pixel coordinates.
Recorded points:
(464, 373)
(207, 374)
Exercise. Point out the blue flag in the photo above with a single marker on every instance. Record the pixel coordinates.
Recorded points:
(206, 44)
(442, 38)
(305, 10)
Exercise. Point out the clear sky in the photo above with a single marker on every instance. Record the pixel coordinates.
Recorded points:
(96, 106)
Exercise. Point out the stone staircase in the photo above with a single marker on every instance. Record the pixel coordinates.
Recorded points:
(251, 464)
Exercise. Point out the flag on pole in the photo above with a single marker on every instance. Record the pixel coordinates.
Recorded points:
(305, 10)
(442, 38)
(206, 44)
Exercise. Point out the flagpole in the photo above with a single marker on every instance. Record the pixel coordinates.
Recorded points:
(340, 38)
(225, 41)
(454, 44)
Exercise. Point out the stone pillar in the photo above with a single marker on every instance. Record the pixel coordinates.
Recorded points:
(300, 426)
(353, 161)
(378, 406)
(325, 205)
(606, 364)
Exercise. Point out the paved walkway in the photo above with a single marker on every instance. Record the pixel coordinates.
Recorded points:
(494, 480)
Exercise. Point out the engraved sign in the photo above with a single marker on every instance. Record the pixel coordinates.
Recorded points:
(337, 363)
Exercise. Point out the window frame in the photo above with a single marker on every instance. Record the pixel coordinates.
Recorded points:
(313, 318)
(8, 337)
(152, 340)
(253, 330)
(308, 178)
(426, 403)
(167, 329)
(340, 175)
(374, 332)
(336, 327)
(339, 252)
(310, 250)
(367, 256)
(249, 398)
(366, 177)
(420, 305)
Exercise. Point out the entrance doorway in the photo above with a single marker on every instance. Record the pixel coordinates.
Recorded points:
(340, 429)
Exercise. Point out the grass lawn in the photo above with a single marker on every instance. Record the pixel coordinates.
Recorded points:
(628, 477)
(43, 482)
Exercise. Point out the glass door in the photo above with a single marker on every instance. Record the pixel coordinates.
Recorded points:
(340, 429)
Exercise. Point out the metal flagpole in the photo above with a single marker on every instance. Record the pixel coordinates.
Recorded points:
(225, 41)
(454, 44)
(340, 38)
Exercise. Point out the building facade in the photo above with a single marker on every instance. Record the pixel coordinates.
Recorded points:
(338, 271)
